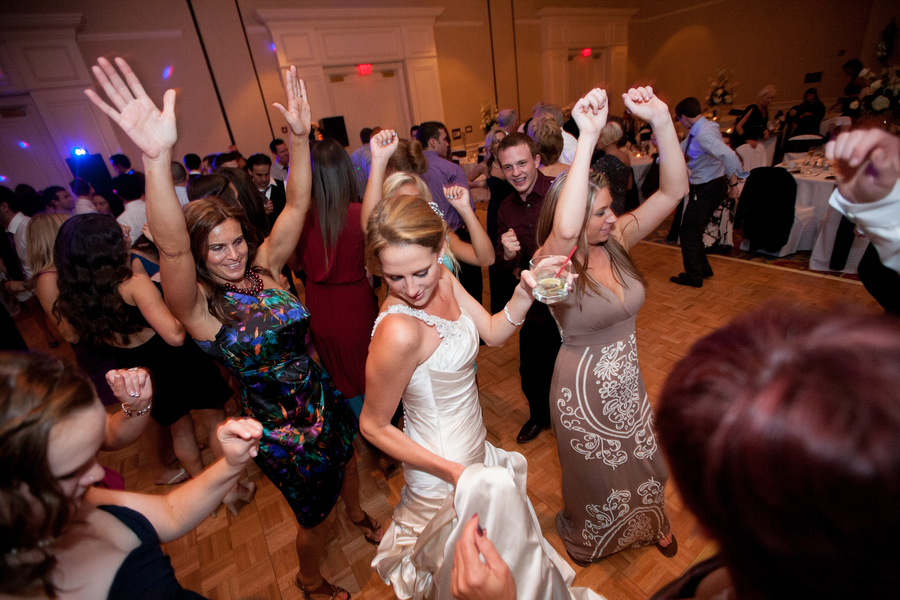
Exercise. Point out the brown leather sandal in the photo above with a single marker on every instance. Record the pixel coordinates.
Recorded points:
(370, 528)
(326, 590)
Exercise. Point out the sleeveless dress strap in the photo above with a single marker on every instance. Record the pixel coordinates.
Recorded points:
(443, 327)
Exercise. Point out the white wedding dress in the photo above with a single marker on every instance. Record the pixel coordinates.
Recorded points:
(443, 415)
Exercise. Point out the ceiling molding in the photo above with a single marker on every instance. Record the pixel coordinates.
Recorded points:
(159, 34)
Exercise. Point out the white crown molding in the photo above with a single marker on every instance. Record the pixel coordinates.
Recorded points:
(444, 24)
(160, 34)
(73, 21)
(326, 16)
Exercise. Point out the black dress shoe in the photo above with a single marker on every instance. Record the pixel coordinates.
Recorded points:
(529, 431)
(684, 279)
(707, 274)
(670, 550)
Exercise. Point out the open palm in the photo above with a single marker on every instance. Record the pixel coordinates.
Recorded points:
(297, 114)
(152, 130)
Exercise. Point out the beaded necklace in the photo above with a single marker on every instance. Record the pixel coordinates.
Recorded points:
(254, 289)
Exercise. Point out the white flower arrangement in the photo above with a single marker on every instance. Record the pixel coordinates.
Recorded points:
(489, 114)
(721, 89)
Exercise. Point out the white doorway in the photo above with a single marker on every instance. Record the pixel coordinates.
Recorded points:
(377, 99)
(26, 153)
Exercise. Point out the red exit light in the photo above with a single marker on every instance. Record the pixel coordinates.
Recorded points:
(586, 52)
(364, 69)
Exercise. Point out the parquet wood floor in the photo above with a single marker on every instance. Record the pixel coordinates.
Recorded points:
(252, 555)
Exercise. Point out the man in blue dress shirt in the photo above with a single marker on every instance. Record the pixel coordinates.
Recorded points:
(714, 171)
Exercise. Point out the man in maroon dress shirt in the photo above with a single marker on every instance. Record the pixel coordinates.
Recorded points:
(517, 220)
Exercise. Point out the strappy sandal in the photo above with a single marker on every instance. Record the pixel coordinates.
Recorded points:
(370, 528)
(326, 590)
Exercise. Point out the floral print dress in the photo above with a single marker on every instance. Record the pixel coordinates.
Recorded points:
(613, 472)
(308, 428)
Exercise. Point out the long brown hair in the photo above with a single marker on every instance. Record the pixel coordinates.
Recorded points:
(618, 256)
(409, 157)
(202, 217)
(36, 392)
(334, 187)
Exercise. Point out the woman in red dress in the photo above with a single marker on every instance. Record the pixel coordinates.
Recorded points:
(338, 293)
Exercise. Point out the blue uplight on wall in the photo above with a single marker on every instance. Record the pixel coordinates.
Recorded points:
(3, 178)
(272, 47)
(167, 72)
(79, 152)
(23, 145)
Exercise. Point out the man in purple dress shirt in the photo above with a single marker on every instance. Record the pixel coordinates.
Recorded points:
(440, 174)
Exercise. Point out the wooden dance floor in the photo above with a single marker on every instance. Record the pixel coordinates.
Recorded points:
(252, 555)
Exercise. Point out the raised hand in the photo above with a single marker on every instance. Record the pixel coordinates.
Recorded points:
(458, 197)
(152, 131)
(132, 387)
(868, 163)
(643, 103)
(383, 144)
(297, 113)
(590, 112)
(240, 440)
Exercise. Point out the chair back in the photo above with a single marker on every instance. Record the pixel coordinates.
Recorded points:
(802, 143)
(766, 208)
(830, 125)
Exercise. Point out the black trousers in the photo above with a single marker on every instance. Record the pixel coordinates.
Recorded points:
(539, 343)
(469, 275)
(503, 285)
(880, 281)
(702, 203)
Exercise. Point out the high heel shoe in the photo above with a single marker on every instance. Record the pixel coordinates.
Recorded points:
(245, 496)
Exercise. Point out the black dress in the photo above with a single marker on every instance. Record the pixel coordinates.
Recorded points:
(754, 127)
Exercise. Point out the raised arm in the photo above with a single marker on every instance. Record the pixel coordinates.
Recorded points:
(286, 231)
(480, 252)
(590, 114)
(394, 355)
(141, 292)
(496, 329)
(133, 388)
(868, 164)
(154, 132)
(673, 176)
(183, 509)
(382, 145)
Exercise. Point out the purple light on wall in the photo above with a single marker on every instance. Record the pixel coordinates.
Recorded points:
(3, 177)
(24, 145)
(272, 47)
(167, 72)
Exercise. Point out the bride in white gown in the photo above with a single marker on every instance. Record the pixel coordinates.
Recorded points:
(423, 349)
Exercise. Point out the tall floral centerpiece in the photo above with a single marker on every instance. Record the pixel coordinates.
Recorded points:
(489, 114)
(879, 100)
(721, 92)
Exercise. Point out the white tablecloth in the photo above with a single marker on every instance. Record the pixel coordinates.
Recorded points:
(814, 190)
(641, 166)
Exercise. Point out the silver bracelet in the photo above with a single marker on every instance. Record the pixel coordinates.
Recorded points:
(508, 318)
(136, 413)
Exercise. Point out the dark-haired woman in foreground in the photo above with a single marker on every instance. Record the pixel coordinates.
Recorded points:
(61, 537)
(103, 304)
(217, 275)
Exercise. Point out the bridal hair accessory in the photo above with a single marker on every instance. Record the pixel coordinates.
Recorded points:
(436, 209)
(254, 289)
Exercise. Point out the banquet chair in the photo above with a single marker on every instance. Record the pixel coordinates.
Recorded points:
(767, 211)
(830, 125)
(796, 147)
